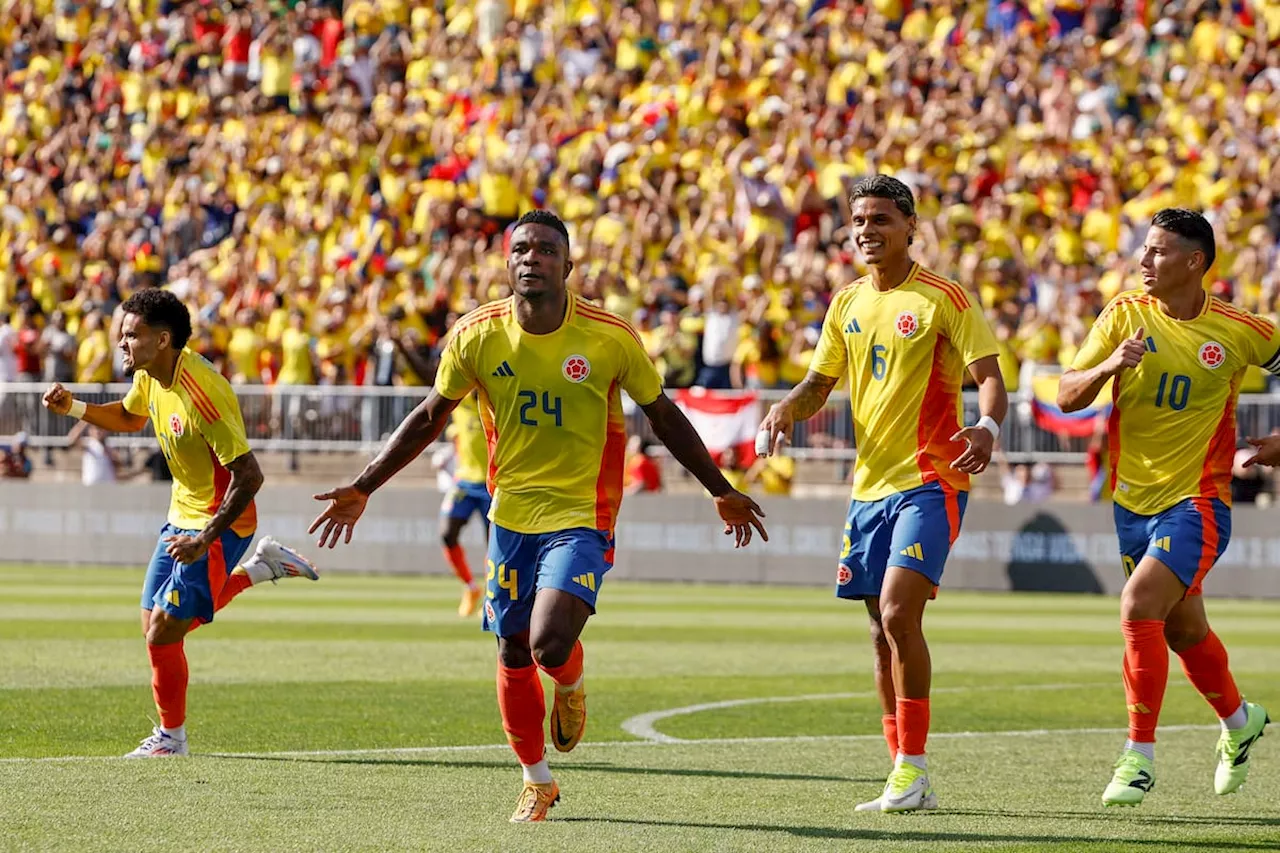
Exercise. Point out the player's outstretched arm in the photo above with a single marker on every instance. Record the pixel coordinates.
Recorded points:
(1078, 388)
(803, 402)
(112, 416)
(415, 433)
(246, 481)
(739, 512)
(993, 404)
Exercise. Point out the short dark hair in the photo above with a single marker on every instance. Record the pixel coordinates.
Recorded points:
(883, 186)
(161, 309)
(1188, 225)
(547, 218)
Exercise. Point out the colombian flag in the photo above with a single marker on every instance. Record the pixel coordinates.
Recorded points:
(1044, 406)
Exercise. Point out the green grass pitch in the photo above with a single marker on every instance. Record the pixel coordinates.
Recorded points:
(359, 714)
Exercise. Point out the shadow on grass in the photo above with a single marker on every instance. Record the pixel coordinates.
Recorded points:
(1079, 842)
(1112, 814)
(589, 767)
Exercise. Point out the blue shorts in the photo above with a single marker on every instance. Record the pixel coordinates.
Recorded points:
(189, 591)
(520, 564)
(466, 499)
(1188, 537)
(911, 529)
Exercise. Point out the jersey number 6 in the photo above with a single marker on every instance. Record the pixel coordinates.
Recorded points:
(530, 400)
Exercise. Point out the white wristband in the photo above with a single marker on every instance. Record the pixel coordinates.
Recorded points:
(77, 409)
(989, 424)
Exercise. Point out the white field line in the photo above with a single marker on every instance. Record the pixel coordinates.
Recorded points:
(644, 725)
(659, 739)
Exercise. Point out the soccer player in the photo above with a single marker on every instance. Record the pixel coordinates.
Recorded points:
(903, 337)
(468, 496)
(549, 368)
(212, 518)
(1177, 355)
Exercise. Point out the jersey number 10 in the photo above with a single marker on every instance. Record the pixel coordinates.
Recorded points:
(550, 407)
(1179, 391)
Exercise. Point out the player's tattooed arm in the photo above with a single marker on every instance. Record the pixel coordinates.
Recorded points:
(414, 435)
(803, 402)
(246, 480)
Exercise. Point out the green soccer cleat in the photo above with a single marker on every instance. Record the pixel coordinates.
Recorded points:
(1233, 750)
(1135, 775)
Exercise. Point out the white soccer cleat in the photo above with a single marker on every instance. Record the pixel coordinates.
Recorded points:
(283, 561)
(928, 803)
(908, 790)
(159, 745)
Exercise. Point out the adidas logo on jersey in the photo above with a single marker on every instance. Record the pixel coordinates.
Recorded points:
(504, 369)
(852, 327)
(588, 580)
(914, 550)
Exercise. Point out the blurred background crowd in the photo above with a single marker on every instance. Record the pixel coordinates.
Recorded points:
(328, 185)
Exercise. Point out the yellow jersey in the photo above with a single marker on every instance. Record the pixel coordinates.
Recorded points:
(551, 406)
(904, 352)
(1172, 428)
(470, 444)
(198, 424)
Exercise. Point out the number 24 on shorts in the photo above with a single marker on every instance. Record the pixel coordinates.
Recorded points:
(506, 579)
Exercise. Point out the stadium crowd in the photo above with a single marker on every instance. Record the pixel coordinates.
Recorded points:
(328, 188)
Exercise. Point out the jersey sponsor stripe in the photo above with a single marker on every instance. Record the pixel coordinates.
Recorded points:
(938, 422)
(1273, 364)
(1259, 325)
(201, 400)
(1113, 432)
(488, 312)
(956, 298)
(612, 463)
(1210, 534)
(601, 317)
(955, 291)
(952, 500)
(216, 569)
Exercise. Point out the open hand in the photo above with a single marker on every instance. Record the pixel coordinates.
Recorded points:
(1268, 451)
(346, 505)
(977, 455)
(185, 549)
(740, 513)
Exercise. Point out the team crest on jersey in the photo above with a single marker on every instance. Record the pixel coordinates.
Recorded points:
(907, 324)
(576, 368)
(488, 612)
(1212, 354)
(843, 575)
(175, 424)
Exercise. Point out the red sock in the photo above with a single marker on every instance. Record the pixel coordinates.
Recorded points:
(523, 707)
(237, 582)
(569, 671)
(889, 724)
(1205, 664)
(913, 726)
(1146, 674)
(458, 561)
(169, 683)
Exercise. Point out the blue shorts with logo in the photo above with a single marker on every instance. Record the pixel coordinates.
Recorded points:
(912, 529)
(189, 591)
(1188, 537)
(465, 499)
(520, 564)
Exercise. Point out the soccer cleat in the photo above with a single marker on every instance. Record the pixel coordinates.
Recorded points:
(283, 561)
(1135, 776)
(907, 790)
(470, 602)
(159, 745)
(1233, 750)
(928, 803)
(535, 801)
(569, 718)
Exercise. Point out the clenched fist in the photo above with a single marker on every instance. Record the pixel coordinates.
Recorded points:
(58, 399)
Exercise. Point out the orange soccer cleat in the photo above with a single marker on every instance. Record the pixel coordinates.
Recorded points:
(535, 801)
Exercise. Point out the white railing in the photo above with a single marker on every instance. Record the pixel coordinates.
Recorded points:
(345, 418)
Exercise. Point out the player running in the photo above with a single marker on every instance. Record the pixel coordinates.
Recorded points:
(903, 337)
(549, 368)
(212, 518)
(468, 495)
(1177, 355)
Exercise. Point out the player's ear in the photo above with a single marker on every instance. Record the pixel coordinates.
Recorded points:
(568, 268)
(164, 339)
(912, 221)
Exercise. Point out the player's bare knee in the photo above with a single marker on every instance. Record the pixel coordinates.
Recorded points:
(899, 623)
(165, 630)
(448, 538)
(550, 649)
(513, 652)
(1183, 635)
(875, 627)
